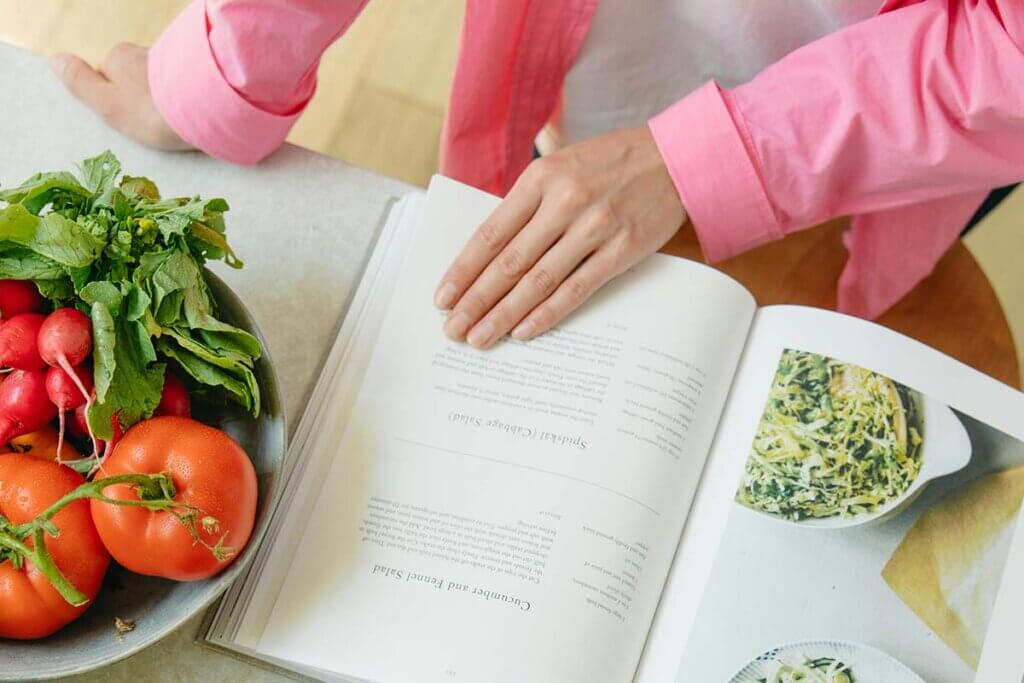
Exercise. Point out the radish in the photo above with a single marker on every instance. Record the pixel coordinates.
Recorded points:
(24, 405)
(99, 444)
(64, 341)
(64, 394)
(63, 391)
(17, 297)
(174, 399)
(79, 426)
(108, 447)
(18, 348)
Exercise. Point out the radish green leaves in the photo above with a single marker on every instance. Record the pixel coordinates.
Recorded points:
(131, 260)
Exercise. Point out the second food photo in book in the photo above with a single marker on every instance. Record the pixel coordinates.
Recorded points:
(870, 533)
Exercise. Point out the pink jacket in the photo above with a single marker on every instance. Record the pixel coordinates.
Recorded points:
(903, 122)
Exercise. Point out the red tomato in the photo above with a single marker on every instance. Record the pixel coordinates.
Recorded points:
(30, 607)
(210, 472)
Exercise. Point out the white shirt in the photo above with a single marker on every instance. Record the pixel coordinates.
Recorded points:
(640, 56)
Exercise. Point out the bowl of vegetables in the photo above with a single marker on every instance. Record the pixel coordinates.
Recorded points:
(841, 446)
(825, 661)
(140, 423)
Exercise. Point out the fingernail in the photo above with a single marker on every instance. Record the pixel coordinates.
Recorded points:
(445, 296)
(456, 325)
(58, 63)
(524, 330)
(480, 335)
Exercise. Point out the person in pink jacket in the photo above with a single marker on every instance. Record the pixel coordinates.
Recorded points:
(745, 119)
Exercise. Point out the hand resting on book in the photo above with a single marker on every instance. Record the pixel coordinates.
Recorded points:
(574, 220)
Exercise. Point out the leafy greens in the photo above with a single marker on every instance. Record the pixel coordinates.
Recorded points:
(109, 245)
(835, 439)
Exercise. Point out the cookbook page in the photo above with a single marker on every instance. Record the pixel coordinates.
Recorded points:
(510, 515)
(244, 610)
(865, 494)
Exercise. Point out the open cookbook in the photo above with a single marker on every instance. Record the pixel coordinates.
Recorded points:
(673, 485)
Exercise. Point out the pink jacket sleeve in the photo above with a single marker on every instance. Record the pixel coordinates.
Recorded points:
(232, 76)
(921, 103)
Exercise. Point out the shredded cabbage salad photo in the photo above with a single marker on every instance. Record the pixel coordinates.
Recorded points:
(835, 439)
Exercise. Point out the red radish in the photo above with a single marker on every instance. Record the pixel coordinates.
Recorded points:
(24, 405)
(79, 426)
(17, 297)
(65, 338)
(18, 348)
(63, 391)
(64, 341)
(108, 447)
(65, 395)
(174, 399)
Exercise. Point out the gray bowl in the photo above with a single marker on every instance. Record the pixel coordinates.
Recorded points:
(158, 606)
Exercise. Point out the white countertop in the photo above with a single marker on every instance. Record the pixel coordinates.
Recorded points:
(302, 222)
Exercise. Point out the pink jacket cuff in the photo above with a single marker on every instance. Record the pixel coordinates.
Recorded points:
(717, 180)
(197, 102)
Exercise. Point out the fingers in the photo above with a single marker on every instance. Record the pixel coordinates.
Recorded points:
(517, 261)
(546, 277)
(575, 219)
(592, 274)
(486, 243)
(118, 92)
(538, 284)
(123, 62)
(85, 83)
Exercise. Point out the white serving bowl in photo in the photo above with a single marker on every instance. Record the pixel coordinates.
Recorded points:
(867, 663)
(945, 449)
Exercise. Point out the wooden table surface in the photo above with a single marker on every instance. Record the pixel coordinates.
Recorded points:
(954, 310)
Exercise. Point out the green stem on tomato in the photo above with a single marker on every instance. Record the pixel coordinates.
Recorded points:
(40, 557)
(156, 492)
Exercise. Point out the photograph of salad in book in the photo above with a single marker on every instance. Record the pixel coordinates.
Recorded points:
(672, 485)
(869, 500)
(835, 440)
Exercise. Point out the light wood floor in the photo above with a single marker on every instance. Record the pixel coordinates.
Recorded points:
(382, 93)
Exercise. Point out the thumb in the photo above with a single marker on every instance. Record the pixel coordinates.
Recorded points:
(82, 81)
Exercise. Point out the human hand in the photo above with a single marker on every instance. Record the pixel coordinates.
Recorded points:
(574, 220)
(119, 93)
